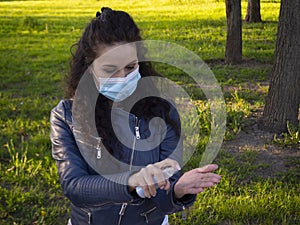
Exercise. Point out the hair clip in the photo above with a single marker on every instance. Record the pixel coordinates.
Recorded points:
(98, 14)
(106, 9)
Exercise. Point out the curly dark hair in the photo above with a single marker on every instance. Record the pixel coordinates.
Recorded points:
(109, 27)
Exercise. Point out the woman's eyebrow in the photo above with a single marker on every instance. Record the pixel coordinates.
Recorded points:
(108, 65)
(114, 66)
(134, 61)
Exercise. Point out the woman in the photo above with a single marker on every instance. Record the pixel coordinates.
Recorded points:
(110, 196)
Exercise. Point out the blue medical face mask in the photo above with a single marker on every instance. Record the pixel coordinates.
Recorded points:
(119, 88)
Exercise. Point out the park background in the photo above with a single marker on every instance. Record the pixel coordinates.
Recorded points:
(260, 170)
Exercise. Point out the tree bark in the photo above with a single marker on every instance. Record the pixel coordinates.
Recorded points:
(282, 102)
(233, 52)
(253, 12)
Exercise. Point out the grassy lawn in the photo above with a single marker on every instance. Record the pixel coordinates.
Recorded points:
(35, 39)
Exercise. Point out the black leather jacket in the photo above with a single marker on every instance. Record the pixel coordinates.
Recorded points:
(97, 200)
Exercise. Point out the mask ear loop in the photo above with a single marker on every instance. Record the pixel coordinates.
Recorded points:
(93, 74)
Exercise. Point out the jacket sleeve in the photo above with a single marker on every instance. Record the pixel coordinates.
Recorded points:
(172, 147)
(82, 188)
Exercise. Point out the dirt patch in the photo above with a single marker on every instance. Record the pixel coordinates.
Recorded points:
(246, 63)
(260, 87)
(277, 160)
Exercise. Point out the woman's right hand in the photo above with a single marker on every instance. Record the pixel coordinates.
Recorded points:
(144, 178)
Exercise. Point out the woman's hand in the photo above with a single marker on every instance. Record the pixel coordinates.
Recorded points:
(194, 181)
(144, 178)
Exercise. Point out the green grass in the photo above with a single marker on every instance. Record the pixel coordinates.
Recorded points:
(35, 45)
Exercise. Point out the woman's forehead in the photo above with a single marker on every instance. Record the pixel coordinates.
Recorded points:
(118, 55)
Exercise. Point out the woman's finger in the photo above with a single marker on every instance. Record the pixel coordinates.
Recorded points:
(168, 163)
(196, 190)
(167, 185)
(143, 183)
(208, 177)
(154, 178)
(205, 185)
(146, 191)
(208, 168)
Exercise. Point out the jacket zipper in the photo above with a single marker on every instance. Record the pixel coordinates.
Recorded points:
(137, 137)
(137, 129)
(97, 147)
(89, 215)
(183, 213)
(99, 150)
(146, 213)
(122, 211)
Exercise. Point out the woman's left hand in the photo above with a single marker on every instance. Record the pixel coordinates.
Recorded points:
(194, 181)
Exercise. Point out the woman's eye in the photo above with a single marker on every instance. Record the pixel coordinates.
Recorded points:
(131, 67)
(110, 71)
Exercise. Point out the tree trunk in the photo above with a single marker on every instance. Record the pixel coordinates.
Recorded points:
(233, 52)
(282, 102)
(253, 11)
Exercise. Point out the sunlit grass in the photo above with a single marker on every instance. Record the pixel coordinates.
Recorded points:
(35, 45)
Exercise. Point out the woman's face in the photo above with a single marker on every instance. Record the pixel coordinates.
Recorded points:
(117, 60)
